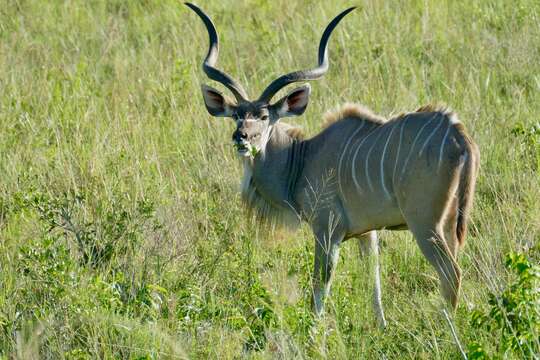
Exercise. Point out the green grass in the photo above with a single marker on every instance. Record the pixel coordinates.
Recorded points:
(121, 230)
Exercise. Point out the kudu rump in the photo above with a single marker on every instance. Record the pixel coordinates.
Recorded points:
(360, 174)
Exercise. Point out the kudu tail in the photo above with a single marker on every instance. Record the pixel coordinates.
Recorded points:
(467, 184)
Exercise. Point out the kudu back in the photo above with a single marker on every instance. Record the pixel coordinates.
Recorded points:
(360, 174)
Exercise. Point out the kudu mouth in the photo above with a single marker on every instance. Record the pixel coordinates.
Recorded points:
(244, 145)
(245, 148)
(242, 148)
(241, 142)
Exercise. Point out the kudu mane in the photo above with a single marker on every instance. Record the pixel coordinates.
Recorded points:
(360, 112)
(351, 110)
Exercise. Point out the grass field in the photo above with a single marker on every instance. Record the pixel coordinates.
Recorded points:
(121, 230)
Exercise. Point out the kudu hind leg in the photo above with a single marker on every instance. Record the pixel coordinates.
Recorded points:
(369, 248)
(432, 242)
(450, 227)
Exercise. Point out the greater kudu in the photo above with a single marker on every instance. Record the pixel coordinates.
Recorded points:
(360, 174)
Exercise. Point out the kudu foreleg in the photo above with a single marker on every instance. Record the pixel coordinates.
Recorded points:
(326, 256)
(369, 248)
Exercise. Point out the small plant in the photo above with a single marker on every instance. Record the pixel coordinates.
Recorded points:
(513, 316)
(262, 317)
(49, 274)
(529, 140)
(114, 229)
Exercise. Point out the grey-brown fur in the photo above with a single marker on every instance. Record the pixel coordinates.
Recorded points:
(260, 201)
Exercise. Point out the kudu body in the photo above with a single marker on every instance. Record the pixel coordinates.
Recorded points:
(360, 174)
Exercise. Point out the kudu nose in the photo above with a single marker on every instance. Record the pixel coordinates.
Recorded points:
(239, 135)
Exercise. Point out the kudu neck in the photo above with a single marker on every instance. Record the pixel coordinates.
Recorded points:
(276, 172)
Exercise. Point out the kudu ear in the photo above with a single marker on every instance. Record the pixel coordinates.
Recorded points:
(294, 103)
(216, 103)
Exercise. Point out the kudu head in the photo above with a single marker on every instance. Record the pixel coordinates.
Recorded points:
(255, 119)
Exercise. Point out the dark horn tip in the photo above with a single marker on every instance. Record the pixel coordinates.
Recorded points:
(190, 5)
(345, 12)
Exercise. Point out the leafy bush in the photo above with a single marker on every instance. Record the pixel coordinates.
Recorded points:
(74, 265)
(513, 316)
(113, 229)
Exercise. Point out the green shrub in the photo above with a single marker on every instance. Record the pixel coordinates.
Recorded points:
(513, 316)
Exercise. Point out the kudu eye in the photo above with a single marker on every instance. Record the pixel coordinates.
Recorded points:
(264, 117)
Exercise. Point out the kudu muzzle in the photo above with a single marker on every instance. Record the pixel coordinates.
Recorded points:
(239, 136)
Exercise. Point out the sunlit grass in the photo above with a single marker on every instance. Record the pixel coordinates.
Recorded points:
(121, 231)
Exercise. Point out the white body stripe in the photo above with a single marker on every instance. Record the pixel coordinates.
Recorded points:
(265, 138)
(412, 146)
(340, 163)
(353, 167)
(398, 150)
(368, 178)
(430, 136)
(382, 161)
(442, 147)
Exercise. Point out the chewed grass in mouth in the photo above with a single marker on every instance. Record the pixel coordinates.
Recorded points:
(244, 149)
(240, 147)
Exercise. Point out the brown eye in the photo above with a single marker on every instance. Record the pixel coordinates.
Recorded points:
(264, 117)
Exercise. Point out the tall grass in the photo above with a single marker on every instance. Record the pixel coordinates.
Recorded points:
(121, 231)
